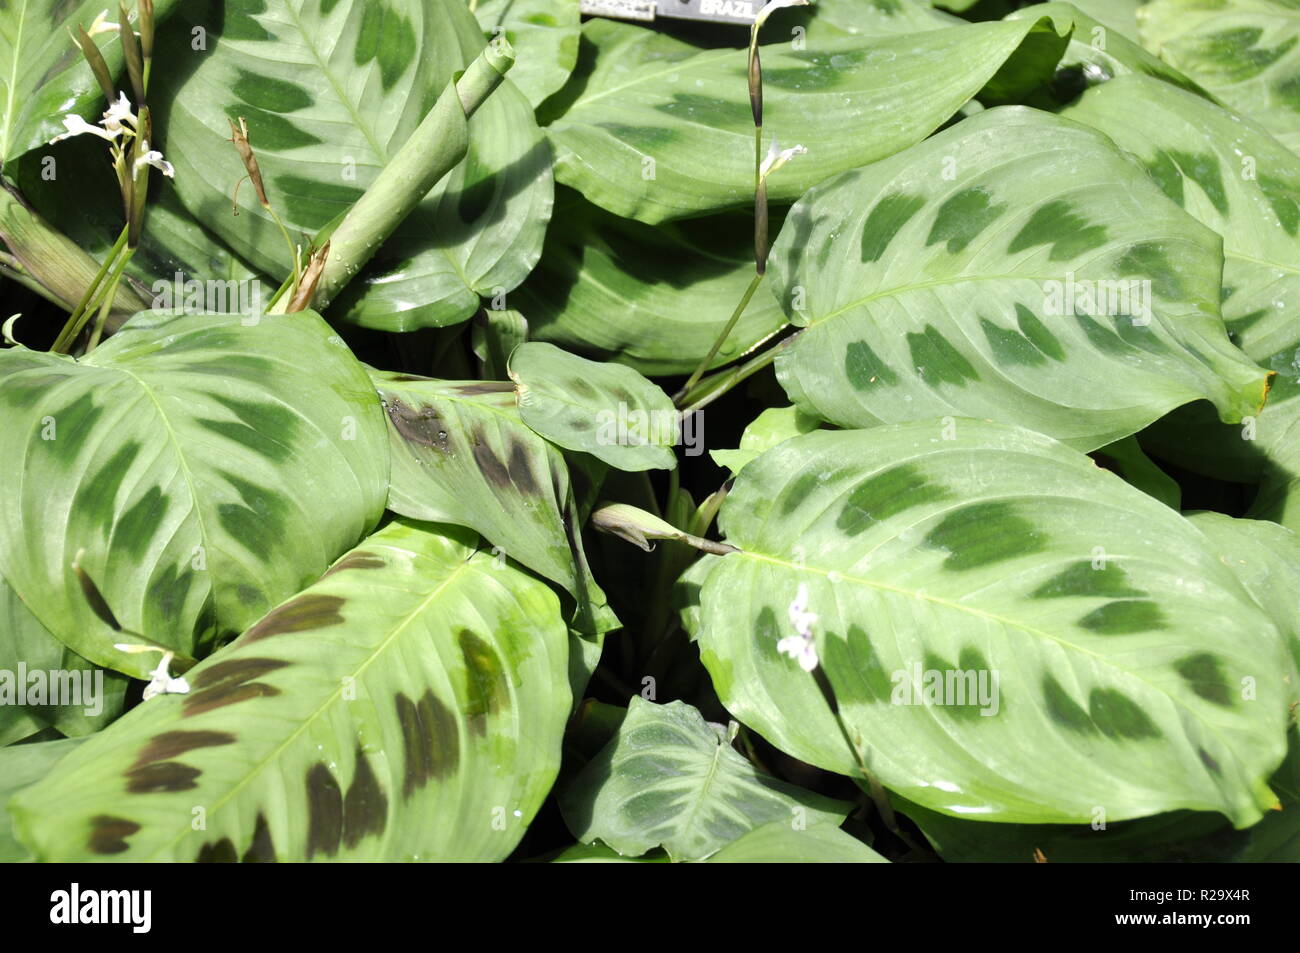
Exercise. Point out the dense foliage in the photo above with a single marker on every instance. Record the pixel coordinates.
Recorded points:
(446, 430)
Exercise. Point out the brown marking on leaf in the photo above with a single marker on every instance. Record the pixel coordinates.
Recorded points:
(172, 744)
(422, 426)
(228, 683)
(218, 852)
(261, 850)
(521, 472)
(484, 387)
(365, 807)
(492, 468)
(358, 560)
(108, 834)
(324, 812)
(430, 741)
(161, 776)
(301, 614)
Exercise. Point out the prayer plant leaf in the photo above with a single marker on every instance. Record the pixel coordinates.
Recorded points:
(607, 410)
(1100, 53)
(1245, 52)
(21, 766)
(43, 75)
(1279, 491)
(461, 454)
(408, 706)
(330, 89)
(69, 693)
(671, 779)
(764, 432)
(778, 842)
(1012, 633)
(545, 35)
(659, 129)
(1014, 267)
(1236, 179)
(654, 298)
(209, 466)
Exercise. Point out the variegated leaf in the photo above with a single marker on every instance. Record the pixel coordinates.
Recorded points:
(1012, 634)
(1245, 52)
(670, 778)
(607, 410)
(1015, 267)
(1279, 491)
(654, 298)
(21, 766)
(55, 685)
(544, 33)
(1240, 182)
(461, 454)
(209, 465)
(330, 90)
(409, 706)
(660, 129)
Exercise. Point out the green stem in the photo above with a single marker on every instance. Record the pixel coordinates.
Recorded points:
(110, 293)
(711, 388)
(721, 338)
(81, 313)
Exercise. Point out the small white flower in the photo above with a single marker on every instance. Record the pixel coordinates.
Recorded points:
(102, 24)
(160, 680)
(801, 646)
(76, 126)
(777, 157)
(117, 114)
(154, 158)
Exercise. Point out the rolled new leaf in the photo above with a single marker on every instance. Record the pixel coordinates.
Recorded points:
(434, 149)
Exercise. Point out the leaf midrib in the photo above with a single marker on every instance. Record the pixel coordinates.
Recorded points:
(7, 127)
(330, 699)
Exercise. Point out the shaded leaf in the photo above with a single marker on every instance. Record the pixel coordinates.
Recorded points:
(607, 410)
(670, 778)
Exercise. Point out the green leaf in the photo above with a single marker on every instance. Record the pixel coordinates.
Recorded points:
(495, 334)
(654, 298)
(779, 843)
(410, 705)
(43, 75)
(833, 19)
(461, 454)
(764, 432)
(1098, 629)
(545, 34)
(1245, 52)
(607, 410)
(1240, 182)
(208, 468)
(20, 766)
(659, 129)
(1180, 837)
(1266, 558)
(1126, 458)
(961, 278)
(1279, 491)
(330, 90)
(670, 778)
(69, 693)
(1099, 52)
